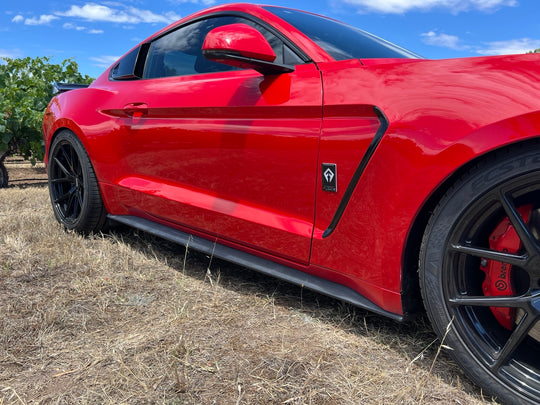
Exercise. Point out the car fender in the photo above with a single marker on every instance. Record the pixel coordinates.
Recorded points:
(80, 111)
(429, 138)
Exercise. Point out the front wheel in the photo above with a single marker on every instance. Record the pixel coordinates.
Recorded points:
(73, 186)
(480, 274)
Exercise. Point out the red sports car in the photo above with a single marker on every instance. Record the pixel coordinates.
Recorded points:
(320, 154)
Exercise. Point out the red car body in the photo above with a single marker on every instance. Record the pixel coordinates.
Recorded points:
(235, 158)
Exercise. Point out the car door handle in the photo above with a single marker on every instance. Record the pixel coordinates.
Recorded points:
(136, 110)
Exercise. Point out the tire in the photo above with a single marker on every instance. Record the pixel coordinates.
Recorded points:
(73, 186)
(493, 332)
(4, 178)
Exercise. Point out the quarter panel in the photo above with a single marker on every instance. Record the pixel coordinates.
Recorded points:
(80, 112)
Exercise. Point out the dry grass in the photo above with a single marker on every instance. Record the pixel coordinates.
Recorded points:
(125, 318)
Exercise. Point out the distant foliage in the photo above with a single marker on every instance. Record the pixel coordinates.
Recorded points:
(25, 90)
(535, 51)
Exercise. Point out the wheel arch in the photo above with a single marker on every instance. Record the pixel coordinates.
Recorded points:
(411, 297)
(73, 186)
(62, 125)
(77, 132)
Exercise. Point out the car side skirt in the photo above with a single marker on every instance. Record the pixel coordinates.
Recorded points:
(253, 262)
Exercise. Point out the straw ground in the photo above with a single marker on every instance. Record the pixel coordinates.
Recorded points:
(126, 318)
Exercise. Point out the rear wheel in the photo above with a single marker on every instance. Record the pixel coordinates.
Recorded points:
(3, 175)
(480, 274)
(73, 186)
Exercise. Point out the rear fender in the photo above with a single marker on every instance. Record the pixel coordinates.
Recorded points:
(80, 112)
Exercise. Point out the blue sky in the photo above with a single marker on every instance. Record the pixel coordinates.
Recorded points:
(95, 33)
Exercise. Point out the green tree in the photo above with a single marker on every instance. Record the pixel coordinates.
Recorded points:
(535, 51)
(26, 87)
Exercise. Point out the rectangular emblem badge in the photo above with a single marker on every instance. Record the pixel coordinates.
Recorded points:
(329, 177)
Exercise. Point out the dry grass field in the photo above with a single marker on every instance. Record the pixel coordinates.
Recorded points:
(126, 318)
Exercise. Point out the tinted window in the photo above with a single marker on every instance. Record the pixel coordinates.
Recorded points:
(341, 41)
(125, 68)
(179, 53)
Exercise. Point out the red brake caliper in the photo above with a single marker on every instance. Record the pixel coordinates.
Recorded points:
(498, 280)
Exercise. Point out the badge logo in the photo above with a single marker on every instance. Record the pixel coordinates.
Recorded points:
(329, 177)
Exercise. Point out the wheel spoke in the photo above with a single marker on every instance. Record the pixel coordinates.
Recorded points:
(62, 180)
(77, 168)
(80, 198)
(521, 228)
(71, 210)
(65, 196)
(520, 332)
(68, 174)
(490, 301)
(69, 159)
(489, 254)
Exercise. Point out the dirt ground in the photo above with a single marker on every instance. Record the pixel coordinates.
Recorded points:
(126, 318)
(22, 174)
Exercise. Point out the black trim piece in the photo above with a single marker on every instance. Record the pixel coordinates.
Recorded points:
(264, 266)
(113, 74)
(140, 62)
(261, 66)
(63, 87)
(358, 173)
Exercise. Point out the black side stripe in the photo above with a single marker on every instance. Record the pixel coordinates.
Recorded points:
(359, 171)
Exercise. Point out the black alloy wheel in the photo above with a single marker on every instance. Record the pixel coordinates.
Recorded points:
(480, 274)
(73, 187)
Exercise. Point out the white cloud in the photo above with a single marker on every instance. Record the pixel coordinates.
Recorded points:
(10, 53)
(509, 47)
(104, 61)
(70, 26)
(42, 20)
(125, 15)
(442, 40)
(17, 19)
(403, 6)
(149, 17)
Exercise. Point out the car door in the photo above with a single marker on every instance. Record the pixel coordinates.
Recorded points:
(223, 151)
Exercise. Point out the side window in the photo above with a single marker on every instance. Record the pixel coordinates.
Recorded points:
(125, 67)
(284, 54)
(179, 53)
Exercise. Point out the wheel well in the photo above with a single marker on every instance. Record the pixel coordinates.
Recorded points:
(58, 131)
(411, 297)
(55, 134)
